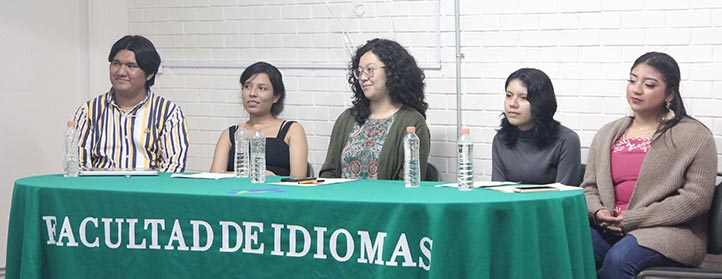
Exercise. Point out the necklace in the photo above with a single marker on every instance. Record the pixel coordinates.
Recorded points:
(646, 132)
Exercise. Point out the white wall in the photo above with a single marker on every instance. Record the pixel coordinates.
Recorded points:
(54, 57)
(586, 47)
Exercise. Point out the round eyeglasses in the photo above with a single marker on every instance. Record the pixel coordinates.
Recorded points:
(368, 71)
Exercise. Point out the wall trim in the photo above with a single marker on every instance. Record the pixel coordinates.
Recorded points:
(294, 66)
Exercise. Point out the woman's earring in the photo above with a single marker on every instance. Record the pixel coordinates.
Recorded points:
(670, 113)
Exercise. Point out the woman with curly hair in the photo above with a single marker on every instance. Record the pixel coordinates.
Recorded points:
(367, 139)
(532, 147)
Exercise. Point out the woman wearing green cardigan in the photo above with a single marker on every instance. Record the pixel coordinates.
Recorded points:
(367, 139)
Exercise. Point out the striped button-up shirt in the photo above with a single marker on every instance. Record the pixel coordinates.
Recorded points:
(152, 135)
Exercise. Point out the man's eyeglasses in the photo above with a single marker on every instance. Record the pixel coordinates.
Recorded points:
(368, 71)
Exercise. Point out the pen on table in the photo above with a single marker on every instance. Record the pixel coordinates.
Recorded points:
(311, 181)
(297, 179)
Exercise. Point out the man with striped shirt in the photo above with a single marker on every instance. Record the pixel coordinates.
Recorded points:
(130, 126)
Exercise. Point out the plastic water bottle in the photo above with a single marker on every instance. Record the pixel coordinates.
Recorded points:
(464, 161)
(412, 167)
(258, 155)
(241, 166)
(71, 162)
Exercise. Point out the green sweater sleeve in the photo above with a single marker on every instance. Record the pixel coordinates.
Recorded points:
(339, 135)
(391, 158)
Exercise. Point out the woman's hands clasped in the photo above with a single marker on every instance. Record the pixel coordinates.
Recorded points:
(609, 222)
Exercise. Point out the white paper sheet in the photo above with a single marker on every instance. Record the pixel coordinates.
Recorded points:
(511, 188)
(118, 172)
(481, 184)
(203, 175)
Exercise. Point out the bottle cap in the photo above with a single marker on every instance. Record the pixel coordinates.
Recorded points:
(242, 124)
(257, 127)
(465, 130)
(71, 123)
(411, 129)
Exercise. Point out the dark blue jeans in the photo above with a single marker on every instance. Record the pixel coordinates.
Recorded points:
(621, 257)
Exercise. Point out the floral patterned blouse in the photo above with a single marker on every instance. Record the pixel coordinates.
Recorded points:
(360, 158)
(626, 161)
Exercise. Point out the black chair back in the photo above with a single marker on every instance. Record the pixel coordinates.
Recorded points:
(714, 236)
(432, 174)
(309, 170)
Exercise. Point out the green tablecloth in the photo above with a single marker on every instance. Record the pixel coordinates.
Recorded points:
(360, 229)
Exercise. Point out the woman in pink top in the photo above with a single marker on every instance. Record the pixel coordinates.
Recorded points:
(650, 177)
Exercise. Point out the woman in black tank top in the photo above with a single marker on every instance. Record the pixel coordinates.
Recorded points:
(286, 146)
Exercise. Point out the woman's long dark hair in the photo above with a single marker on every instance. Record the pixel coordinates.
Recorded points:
(667, 66)
(404, 79)
(543, 102)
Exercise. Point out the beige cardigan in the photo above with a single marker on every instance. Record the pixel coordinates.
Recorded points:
(668, 208)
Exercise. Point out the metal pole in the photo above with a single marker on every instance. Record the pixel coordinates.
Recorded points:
(459, 56)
